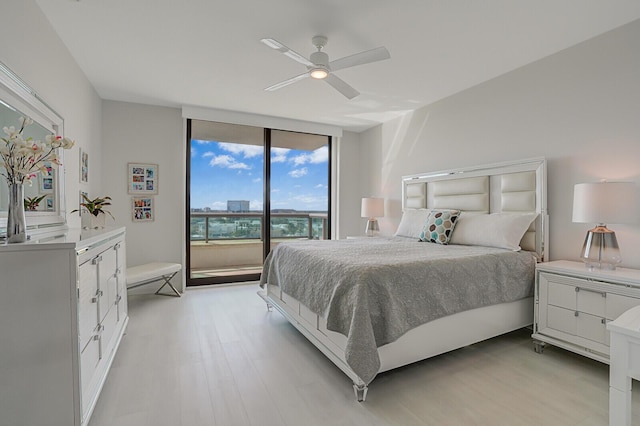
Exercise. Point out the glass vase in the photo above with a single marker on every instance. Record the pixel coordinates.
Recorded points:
(16, 222)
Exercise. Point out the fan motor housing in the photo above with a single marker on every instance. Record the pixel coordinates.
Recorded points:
(320, 59)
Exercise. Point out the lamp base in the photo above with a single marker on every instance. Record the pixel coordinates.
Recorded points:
(600, 249)
(372, 227)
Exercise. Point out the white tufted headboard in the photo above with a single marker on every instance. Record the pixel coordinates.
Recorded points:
(519, 186)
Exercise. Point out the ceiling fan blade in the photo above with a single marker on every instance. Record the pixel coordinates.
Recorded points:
(287, 82)
(368, 56)
(275, 44)
(341, 86)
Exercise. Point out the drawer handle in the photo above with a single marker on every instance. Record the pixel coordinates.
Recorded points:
(116, 247)
(96, 337)
(576, 313)
(602, 293)
(99, 294)
(603, 320)
(96, 260)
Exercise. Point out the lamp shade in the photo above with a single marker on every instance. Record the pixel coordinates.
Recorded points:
(605, 202)
(372, 207)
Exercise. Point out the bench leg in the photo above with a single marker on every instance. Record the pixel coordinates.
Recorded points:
(167, 281)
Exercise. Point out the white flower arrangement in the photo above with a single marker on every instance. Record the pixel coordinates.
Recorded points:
(24, 158)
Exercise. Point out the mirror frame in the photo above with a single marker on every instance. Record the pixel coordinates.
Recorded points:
(17, 94)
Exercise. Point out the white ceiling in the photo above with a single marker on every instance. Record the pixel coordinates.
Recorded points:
(208, 52)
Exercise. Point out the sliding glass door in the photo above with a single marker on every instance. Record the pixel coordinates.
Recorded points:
(240, 178)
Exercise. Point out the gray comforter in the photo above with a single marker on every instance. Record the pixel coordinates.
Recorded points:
(375, 290)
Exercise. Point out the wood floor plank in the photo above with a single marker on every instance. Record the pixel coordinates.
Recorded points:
(216, 357)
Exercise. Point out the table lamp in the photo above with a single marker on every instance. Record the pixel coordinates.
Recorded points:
(600, 203)
(372, 208)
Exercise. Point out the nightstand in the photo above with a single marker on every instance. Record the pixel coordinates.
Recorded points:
(573, 305)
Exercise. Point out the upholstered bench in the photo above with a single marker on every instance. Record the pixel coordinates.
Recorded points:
(153, 272)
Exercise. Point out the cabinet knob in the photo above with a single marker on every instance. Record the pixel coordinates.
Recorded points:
(96, 260)
(576, 313)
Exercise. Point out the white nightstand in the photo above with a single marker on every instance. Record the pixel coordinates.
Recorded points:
(573, 305)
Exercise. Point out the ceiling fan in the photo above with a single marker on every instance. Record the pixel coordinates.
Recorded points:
(319, 67)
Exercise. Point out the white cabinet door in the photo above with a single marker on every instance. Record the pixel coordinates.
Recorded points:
(88, 302)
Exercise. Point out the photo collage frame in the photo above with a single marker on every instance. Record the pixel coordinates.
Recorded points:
(142, 182)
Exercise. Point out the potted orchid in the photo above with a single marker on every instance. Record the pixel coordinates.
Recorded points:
(22, 159)
(96, 212)
(31, 203)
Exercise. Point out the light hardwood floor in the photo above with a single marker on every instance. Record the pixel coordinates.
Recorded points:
(217, 357)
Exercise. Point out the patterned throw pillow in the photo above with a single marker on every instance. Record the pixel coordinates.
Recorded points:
(439, 226)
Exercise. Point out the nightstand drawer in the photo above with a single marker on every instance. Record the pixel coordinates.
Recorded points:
(617, 305)
(591, 302)
(577, 324)
(561, 319)
(592, 327)
(562, 295)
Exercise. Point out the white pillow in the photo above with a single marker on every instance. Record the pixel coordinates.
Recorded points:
(412, 222)
(503, 230)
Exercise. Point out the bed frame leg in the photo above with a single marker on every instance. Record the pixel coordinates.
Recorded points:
(263, 296)
(360, 391)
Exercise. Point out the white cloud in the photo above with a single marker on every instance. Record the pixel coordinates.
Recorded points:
(256, 180)
(201, 142)
(255, 205)
(193, 151)
(320, 155)
(298, 173)
(279, 155)
(218, 205)
(208, 154)
(227, 162)
(320, 186)
(247, 151)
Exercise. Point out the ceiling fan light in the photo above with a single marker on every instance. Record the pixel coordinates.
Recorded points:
(319, 73)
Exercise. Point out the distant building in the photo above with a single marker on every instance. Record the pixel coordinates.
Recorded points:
(238, 206)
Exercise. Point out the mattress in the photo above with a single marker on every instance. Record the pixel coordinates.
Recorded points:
(374, 290)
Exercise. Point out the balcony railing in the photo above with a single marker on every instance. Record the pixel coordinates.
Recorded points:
(216, 226)
(226, 244)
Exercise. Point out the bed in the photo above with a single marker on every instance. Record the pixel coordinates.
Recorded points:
(374, 304)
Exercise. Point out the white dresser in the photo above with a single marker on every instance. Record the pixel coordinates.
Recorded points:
(63, 311)
(574, 304)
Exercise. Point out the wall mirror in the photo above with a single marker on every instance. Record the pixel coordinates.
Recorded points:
(17, 100)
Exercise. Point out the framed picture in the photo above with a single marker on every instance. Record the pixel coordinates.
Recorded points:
(80, 208)
(46, 182)
(142, 209)
(49, 203)
(84, 166)
(143, 178)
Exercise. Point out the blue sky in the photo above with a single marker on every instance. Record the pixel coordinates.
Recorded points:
(222, 171)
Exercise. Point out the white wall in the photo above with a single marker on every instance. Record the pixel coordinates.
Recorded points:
(579, 108)
(30, 47)
(347, 196)
(135, 133)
